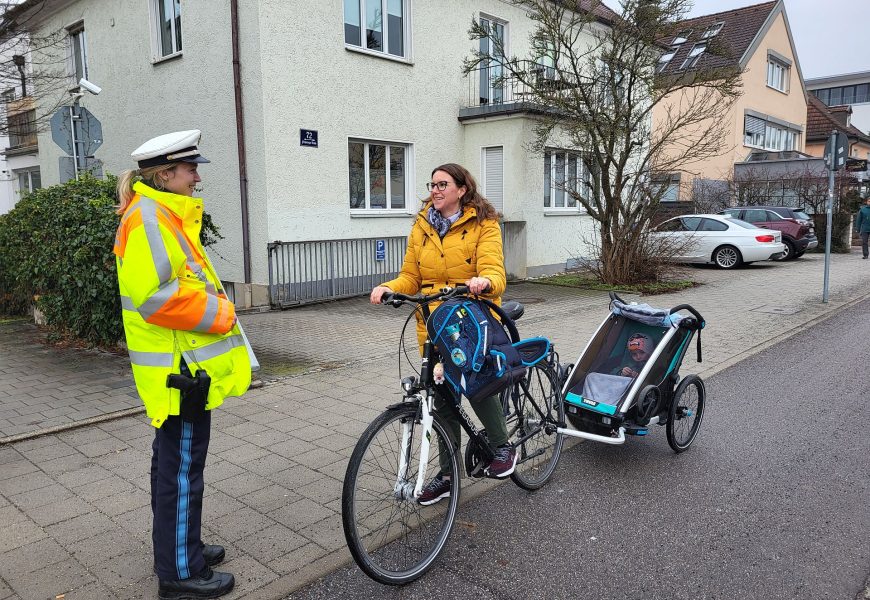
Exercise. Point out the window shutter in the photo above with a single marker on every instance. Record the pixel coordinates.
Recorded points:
(754, 125)
(493, 176)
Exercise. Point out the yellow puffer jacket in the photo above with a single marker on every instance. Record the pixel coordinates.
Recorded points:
(469, 249)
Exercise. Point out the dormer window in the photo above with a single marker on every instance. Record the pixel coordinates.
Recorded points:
(666, 58)
(682, 37)
(694, 54)
(713, 30)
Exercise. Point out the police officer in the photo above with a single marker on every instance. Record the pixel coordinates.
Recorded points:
(187, 351)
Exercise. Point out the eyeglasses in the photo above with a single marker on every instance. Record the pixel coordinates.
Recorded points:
(441, 185)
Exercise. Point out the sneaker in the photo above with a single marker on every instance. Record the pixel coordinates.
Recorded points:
(434, 491)
(504, 463)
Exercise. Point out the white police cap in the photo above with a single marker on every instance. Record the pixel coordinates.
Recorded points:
(169, 148)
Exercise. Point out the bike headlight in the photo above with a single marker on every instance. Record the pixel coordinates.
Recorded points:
(408, 384)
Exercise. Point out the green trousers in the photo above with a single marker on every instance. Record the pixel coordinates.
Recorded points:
(491, 415)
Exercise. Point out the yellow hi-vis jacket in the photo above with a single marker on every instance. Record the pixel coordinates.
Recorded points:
(173, 303)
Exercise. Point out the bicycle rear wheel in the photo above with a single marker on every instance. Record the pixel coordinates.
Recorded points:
(392, 538)
(531, 426)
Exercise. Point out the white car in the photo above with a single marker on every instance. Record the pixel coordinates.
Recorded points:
(719, 239)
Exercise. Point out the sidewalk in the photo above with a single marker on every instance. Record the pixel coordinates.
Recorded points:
(74, 505)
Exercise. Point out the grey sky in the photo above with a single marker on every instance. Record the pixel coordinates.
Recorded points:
(830, 35)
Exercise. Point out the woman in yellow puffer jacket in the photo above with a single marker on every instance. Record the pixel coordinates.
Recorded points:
(456, 239)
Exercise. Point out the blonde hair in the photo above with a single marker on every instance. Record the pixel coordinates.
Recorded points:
(127, 178)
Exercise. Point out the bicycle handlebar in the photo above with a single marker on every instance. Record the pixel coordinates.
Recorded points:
(396, 299)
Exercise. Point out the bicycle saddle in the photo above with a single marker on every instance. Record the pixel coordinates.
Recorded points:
(513, 309)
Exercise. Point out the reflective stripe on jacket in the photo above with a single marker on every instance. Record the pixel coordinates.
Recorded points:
(173, 303)
(468, 249)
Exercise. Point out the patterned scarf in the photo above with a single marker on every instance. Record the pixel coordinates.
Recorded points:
(440, 223)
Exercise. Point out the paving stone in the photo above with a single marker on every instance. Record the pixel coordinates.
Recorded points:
(241, 484)
(239, 523)
(25, 483)
(270, 498)
(60, 510)
(32, 556)
(79, 528)
(272, 542)
(66, 575)
(302, 513)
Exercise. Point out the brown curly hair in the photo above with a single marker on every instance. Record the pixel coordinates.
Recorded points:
(471, 197)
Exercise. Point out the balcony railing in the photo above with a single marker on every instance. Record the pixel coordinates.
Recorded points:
(493, 90)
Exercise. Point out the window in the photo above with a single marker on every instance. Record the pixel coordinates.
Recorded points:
(712, 225)
(823, 95)
(28, 180)
(836, 96)
(712, 30)
(777, 75)
(365, 26)
(691, 223)
(682, 37)
(493, 176)
(694, 54)
(378, 175)
(78, 55)
(22, 129)
(862, 93)
(9, 95)
(166, 17)
(566, 176)
(667, 57)
(755, 215)
(492, 68)
(759, 133)
(667, 187)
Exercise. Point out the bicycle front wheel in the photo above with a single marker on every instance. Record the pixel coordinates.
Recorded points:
(392, 537)
(538, 408)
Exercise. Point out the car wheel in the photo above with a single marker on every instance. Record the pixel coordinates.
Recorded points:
(727, 257)
(789, 250)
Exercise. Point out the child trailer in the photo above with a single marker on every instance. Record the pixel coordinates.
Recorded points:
(627, 378)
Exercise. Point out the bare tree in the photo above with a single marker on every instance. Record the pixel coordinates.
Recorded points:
(34, 72)
(594, 78)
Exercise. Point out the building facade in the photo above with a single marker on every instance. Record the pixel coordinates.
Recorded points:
(771, 113)
(341, 111)
(849, 89)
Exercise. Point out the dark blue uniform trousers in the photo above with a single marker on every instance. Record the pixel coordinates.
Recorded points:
(177, 464)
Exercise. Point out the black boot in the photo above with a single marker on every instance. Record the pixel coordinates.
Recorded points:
(208, 584)
(213, 555)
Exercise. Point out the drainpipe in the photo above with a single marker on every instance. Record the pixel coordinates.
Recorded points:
(240, 137)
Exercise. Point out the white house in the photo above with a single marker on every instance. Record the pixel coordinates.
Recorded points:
(19, 161)
(327, 130)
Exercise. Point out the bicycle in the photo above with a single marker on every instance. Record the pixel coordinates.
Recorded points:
(392, 537)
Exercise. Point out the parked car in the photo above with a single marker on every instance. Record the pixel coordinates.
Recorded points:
(798, 233)
(722, 240)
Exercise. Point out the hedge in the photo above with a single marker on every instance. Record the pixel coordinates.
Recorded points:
(56, 254)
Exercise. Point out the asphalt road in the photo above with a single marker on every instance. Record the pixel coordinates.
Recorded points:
(771, 501)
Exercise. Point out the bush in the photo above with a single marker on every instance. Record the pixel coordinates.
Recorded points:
(56, 252)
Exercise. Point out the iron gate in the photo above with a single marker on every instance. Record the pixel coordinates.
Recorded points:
(303, 272)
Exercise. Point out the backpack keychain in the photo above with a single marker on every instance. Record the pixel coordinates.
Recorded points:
(438, 373)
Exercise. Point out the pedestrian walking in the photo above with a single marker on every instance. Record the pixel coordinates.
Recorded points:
(456, 239)
(186, 350)
(864, 225)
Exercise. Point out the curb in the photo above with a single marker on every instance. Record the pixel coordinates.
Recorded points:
(833, 311)
(68, 426)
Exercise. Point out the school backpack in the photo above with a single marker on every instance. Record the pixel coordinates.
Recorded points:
(476, 351)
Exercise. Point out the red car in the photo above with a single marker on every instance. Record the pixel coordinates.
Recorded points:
(798, 233)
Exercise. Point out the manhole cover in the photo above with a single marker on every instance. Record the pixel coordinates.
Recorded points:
(777, 310)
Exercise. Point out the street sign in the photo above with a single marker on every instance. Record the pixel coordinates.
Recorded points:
(67, 169)
(89, 133)
(308, 137)
(61, 132)
(856, 164)
(380, 250)
(840, 151)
